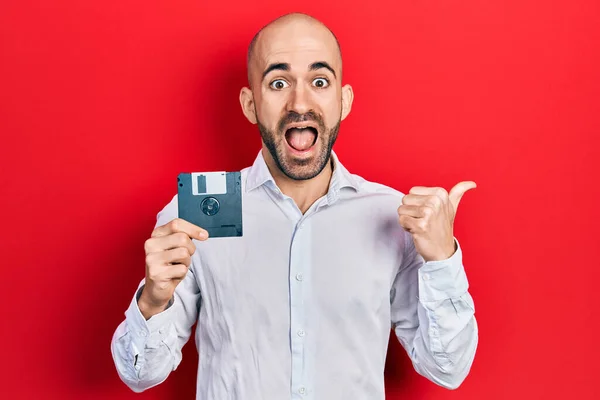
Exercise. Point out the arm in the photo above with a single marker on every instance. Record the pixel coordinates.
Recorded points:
(146, 350)
(433, 316)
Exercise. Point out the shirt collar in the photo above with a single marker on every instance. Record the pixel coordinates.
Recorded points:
(259, 175)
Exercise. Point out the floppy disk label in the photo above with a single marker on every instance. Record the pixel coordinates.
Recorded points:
(209, 183)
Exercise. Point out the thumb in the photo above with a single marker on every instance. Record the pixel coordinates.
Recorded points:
(457, 192)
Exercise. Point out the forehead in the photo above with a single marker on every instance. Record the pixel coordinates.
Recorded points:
(297, 44)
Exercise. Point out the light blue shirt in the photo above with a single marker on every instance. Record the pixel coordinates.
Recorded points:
(301, 306)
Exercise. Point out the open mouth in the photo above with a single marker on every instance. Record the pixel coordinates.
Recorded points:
(301, 138)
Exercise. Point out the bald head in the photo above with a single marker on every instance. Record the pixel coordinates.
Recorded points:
(295, 73)
(290, 28)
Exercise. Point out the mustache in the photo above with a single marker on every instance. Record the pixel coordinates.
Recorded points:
(294, 117)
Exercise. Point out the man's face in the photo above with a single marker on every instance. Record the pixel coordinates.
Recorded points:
(297, 96)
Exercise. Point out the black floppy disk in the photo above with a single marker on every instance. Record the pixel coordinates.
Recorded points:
(212, 201)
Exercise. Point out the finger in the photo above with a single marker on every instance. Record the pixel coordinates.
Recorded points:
(180, 225)
(440, 192)
(430, 200)
(179, 255)
(412, 224)
(162, 276)
(457, 192)
(177, 271)
(425, 190)
(162, 243)
(419, 211)
(413, 199)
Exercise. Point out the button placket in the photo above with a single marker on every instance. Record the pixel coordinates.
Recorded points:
(300, 256)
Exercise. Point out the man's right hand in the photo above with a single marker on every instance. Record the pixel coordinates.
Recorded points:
(168, 257)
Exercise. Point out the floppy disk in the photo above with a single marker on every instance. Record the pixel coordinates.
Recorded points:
(211, 200)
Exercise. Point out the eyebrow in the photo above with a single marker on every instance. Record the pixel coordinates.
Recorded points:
(276, 67)
(322, 64)
(286, 67)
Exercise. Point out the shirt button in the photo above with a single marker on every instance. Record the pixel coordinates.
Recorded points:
(299, 277)
(301, 333)
(302, 390)
(143, 333)
(426, 277)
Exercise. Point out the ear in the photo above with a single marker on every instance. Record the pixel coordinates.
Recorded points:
(247, 103)
(347, 99)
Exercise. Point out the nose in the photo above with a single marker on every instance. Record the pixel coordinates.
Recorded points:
(299, 100)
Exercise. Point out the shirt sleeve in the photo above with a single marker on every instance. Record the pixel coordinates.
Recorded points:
(146, 351)
(433, 316)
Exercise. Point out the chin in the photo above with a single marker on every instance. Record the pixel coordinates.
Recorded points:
(302, 166)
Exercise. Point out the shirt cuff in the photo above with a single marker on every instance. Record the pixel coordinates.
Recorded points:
(147, 333)
(443, 279)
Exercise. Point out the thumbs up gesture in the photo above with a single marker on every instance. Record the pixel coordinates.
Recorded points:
(427, 213)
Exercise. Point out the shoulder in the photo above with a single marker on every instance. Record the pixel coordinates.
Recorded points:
(375, 200)
(368, 187)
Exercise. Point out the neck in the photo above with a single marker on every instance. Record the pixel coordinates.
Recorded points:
(304, 193)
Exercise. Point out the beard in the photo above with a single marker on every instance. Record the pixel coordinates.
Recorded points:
(299, 169)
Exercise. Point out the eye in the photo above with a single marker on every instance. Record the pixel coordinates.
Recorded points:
(321, 82)
(279, 84)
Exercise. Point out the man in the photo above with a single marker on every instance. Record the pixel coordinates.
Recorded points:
(301, 306)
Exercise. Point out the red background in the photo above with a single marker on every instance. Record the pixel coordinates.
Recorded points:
(103, 103)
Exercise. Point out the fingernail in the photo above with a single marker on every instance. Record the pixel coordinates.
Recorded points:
(203, 235)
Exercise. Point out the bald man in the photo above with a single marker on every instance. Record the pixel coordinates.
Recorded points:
(301, 306)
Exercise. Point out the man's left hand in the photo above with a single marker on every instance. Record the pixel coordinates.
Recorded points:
(427, 213)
